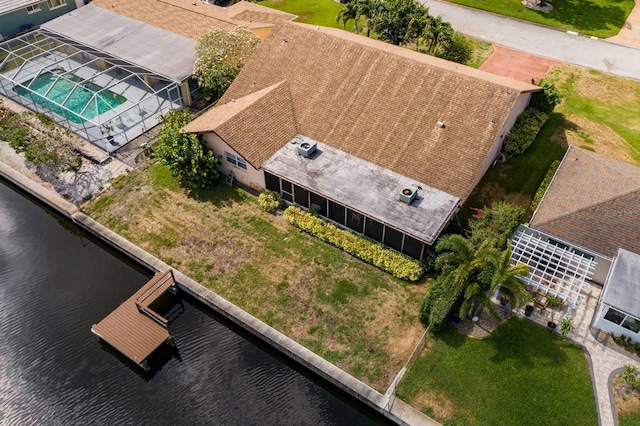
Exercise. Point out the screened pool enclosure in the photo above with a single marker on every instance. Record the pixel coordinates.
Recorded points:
(106, 100)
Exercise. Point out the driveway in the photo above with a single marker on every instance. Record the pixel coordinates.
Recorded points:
(542, 41)
(517, 65)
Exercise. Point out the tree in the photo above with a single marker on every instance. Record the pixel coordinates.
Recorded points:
(439, 34)
(347, 13)
(392, 22)
(497, 224)
(501, 275)
(220, 55)
(546, 99)
(369, 9)
(183, 153)
(457, 50)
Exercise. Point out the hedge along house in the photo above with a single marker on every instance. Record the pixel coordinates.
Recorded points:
(591, 211)
(380, 139)
(17, 16)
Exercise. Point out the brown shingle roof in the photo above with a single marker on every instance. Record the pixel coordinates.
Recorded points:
(248, 122)
(593, 201)
(192, 18)
(382, 103)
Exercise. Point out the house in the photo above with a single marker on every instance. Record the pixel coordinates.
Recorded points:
(377, 138)
(193, 18)
(587, 227)
(19, 15)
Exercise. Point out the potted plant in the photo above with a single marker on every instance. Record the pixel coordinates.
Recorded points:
(566, 326)
(553, 302)
(528, 309)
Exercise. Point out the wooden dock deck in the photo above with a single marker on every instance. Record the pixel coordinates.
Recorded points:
(133, 328)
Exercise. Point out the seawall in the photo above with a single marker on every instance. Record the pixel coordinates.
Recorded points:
(400, 412)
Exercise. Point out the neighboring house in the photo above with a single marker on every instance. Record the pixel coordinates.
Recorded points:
(192, 18)
(378, 138)
(19, 15)
(587, 226)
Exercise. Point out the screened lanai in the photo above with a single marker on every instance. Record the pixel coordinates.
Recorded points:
(106, 100)
(554, 268)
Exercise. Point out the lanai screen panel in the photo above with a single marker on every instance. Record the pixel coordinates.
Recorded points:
(553, 269)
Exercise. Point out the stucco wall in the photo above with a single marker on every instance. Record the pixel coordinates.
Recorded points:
(519, 106)
(250, 177)
(11, 23)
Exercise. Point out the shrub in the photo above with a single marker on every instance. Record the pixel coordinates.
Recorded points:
(391, 261)
(458, 50)
(497, 223)
(437, 306)
(524, 131)
(544, 185)
(270, 201)
(546, 99)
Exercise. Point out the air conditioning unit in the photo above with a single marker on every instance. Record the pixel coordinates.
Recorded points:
(306, 149)
(408, 194)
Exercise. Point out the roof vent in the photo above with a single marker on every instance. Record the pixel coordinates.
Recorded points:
(408, 194)
(441, 124)
(306, 149)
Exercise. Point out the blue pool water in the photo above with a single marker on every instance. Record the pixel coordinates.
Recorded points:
(48, 87)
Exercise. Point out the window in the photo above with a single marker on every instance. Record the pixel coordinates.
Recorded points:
(373, 229)
(33, 8)
(355, 221)
(558, 244)
(583, 254)
(320, 203)
(412, 247)
(630, 323)
(393, 238)
(54, 4)
(287, 190)
(614, 316)
(337, 212)
(236, 161)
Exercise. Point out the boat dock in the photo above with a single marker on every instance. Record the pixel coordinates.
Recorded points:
(134, 328)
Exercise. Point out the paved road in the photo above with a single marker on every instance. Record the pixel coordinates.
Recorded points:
(542, 41)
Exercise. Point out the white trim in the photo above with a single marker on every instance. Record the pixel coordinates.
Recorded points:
(35, 8)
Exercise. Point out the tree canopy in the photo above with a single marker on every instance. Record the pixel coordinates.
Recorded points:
(183, 153)
(220, 55)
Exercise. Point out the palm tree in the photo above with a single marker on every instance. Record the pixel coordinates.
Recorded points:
(439, 33)
(347, 13)
(501, 275)
(370, 10)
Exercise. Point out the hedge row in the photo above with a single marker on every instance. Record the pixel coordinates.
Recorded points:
(391, 261)
(544, 185)
(524, 131)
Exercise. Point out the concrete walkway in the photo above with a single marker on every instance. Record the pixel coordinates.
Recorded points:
(547, 42)
(603, 359)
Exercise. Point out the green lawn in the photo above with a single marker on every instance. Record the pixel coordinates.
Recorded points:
(316, 12)
(599, 18)
(517, 180)
(629, 419)
(519, 374)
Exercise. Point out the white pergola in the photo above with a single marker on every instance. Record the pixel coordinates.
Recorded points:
(553, 269)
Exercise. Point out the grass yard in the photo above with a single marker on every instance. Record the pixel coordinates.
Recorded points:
(599, 112)
(316, 12)
(350, 313)
(519, 374)
(599, 18)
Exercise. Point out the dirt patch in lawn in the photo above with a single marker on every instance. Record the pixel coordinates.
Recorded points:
(440, 406)
(584, 133)
(606, 88)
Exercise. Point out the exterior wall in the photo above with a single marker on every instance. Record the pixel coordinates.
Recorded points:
(12, 22)
(611, 327)
(519, 106)
(250, 177)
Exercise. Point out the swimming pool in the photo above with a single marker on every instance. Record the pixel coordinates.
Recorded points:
(81, 95)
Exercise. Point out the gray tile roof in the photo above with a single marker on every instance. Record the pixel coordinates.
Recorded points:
(593, 201)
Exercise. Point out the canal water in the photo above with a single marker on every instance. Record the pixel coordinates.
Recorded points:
(56, 281)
